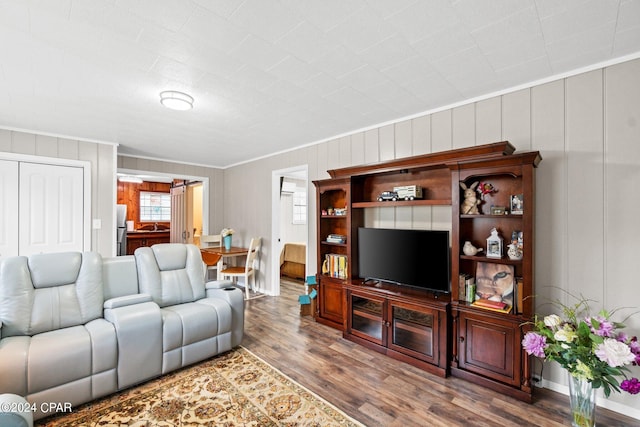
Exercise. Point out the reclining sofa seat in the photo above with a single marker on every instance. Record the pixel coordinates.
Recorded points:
(54, 343)
(194, 327)
(75, 327)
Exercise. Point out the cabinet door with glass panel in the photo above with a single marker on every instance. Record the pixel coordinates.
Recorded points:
(366, 318)
(413, 330)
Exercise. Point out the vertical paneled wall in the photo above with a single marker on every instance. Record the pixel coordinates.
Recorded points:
(587, 128)
(102, 159)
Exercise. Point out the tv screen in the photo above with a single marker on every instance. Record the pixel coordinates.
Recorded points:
(418, 258)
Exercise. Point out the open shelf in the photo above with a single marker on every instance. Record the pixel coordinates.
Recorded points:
(324, 242)
(494, 260)
(419, 202)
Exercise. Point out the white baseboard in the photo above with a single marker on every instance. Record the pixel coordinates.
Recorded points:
(601, 401)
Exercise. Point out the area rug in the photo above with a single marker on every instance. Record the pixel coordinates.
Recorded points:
(234, 389)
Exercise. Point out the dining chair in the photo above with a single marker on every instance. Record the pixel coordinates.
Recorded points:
(210, 241)
(249, 269)
(211, 261)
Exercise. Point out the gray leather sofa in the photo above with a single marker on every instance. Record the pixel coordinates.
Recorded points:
(75, 327)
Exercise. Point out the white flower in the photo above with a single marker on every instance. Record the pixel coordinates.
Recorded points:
(552, 321)
(566, 334)
(227, 232)
(615, 353)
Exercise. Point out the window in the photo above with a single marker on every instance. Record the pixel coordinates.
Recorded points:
(155, 207)
(299, 207)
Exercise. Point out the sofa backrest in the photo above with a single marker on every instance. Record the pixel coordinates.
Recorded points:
(172, 273)
(44, 292)
(120, 276)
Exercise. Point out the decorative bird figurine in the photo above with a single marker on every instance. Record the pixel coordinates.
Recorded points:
(469, 249)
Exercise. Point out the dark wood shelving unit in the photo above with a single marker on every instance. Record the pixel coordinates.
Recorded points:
(460, 339)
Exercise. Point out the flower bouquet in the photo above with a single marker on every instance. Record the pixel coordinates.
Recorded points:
(227, 232)
(592, 349)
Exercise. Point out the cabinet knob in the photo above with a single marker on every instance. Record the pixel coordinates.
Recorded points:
(461, 339)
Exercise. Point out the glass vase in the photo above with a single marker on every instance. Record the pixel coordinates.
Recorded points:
(583, 402)
(227, 242)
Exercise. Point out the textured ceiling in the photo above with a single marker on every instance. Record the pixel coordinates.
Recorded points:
(271, 75)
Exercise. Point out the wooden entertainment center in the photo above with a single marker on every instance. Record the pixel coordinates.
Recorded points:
(441, 333)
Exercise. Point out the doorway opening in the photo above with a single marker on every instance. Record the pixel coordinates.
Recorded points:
(189, 206)
(289, 221)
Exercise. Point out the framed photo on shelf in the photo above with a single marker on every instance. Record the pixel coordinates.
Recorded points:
(495, 282)
(516, 204)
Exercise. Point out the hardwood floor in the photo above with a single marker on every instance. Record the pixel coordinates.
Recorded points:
(380, 391)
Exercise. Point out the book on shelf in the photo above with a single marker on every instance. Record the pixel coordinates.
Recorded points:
(498, 306)
(336, 265)
(336, 238)
(518, 289)
(462, 294)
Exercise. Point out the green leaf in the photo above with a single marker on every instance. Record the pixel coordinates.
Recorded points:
(607, 390)
(596, 338)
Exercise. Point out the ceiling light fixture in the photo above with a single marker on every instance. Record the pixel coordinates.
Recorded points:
(176, 100)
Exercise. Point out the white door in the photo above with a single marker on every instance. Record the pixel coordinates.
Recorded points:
(178, 233)
(51, 208)
(8, 208)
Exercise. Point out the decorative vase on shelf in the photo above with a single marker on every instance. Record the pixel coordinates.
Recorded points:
(227, 242)
(514, 252)
(582, 397)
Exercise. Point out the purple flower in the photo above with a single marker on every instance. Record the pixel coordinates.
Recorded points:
(535, 344)
(634, 345)
(631, 386)
(606, 327)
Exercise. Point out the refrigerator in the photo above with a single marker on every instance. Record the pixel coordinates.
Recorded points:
(121, 229)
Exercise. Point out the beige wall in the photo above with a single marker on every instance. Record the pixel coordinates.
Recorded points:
(102, 159)
(587, 128)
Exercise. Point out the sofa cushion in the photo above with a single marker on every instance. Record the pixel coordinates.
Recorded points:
(58, 357)
(46, 292)
(172, 273)
(54, 269)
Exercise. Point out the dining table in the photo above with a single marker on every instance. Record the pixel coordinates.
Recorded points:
(231, 253)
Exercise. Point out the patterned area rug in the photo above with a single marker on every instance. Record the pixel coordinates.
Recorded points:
(234, 389)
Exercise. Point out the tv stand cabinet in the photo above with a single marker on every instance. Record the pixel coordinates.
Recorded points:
(459, 338)
(404, 323)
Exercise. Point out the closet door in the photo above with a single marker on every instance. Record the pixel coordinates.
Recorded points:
(51, 208)
(8, 208)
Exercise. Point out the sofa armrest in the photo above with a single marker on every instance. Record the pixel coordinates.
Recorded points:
(235, 298)
(139, 333)
(127, 300)
(218, 284)
(15, 411)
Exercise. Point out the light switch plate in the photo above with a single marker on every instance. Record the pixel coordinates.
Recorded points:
(97, 224)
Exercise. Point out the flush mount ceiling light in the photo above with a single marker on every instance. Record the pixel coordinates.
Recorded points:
(176, 100)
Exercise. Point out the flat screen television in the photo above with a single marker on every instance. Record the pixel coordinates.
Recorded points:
(418, 258)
